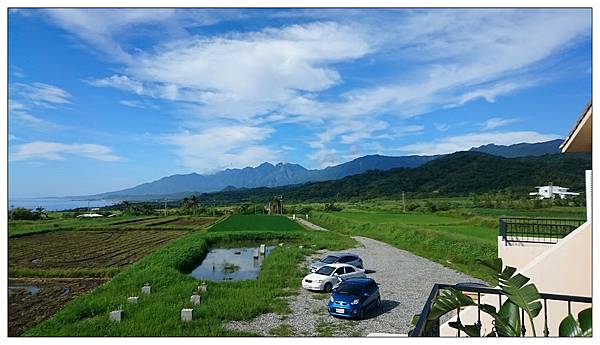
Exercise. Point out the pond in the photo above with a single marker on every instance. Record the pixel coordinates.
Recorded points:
(230, 264)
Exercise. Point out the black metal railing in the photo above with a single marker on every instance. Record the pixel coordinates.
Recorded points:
(424, 328)
(536, 230)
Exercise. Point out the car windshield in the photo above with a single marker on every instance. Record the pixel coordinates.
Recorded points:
(329, 259)
(325, 270)
(350, 289)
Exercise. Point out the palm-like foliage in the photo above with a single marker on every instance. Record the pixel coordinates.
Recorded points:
(507, 321)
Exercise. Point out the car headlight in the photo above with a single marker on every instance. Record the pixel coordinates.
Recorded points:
(355, 302)
(331, 299)
(318, 281)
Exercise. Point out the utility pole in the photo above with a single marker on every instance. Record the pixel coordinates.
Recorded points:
(214, 206)
(165, 207)
(403, 203)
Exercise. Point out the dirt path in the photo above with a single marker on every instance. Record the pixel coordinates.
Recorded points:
(310, 225)
(404, 279)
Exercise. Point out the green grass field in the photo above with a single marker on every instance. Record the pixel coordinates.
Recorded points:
(256, 223)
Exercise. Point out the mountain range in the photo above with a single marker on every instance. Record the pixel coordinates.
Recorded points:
(269, 175)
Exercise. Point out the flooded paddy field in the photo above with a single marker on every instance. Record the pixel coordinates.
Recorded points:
(85, 249)
(223, 264)
(32, 300)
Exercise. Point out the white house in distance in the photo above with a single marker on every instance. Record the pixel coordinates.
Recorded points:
(550, 191)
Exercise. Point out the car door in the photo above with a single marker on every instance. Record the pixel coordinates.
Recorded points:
(349, 272)
(339, 272)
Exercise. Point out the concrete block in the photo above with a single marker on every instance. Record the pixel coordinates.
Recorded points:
(186, 314)
(116, 315)
(263, 249)
(132, 299)
(146, 289)
(202, 287)
(195, 299)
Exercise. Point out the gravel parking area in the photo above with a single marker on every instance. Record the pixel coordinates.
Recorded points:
(404, 279)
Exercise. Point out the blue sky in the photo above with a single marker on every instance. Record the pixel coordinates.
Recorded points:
(101, 100)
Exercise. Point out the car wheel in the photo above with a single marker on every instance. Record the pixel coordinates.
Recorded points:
(378, 303)
(361, 314)
(327, 287)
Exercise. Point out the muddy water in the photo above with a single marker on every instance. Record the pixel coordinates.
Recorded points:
(230, 264)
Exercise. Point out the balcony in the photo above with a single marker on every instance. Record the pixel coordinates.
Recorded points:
(536, 230)
(554, 307)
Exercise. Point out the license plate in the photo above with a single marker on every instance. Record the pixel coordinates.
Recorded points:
(339, 310)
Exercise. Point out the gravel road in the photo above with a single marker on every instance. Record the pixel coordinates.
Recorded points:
(404, 279)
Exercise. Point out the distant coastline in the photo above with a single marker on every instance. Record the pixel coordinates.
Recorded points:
(57, 203)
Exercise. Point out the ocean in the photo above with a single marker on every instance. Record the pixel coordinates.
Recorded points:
(57, 204)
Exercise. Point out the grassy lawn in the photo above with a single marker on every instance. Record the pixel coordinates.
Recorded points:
(158, 314)
(256, 223)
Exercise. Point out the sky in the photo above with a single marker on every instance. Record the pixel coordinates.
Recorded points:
(105, 99)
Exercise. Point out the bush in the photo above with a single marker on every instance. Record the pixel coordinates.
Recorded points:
(21, 213)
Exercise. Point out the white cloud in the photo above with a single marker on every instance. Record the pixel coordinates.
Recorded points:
(120, 82)
(39, 94)
(466, 141)
(138, 104)
(222, 147)
(496, 122)
(57, 151)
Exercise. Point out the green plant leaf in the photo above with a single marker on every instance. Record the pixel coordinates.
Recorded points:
(449, 299)
(585, 322)
(582, 327)
(525, 296)
(506, 321)
(569, 327)
(470, 330)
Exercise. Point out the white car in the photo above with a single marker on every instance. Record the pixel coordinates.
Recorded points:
(329, 276)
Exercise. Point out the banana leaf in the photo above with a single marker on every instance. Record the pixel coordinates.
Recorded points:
(524, 295)
(449, 299)
(507, 322)
(582, 327)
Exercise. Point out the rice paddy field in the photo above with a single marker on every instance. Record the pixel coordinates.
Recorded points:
(57, 223)
(256, 223)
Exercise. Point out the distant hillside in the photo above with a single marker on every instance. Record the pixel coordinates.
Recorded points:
(458, 174)
(269, 175)
(521, 150)
(266, 174)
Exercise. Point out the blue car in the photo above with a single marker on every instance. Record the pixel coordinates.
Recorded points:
(353, 298)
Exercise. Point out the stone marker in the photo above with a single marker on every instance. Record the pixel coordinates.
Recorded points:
(186, 314)
(146, 289)
(116, 315)
(132, 299)
(202, 287)
(195, 299)
(262, 249)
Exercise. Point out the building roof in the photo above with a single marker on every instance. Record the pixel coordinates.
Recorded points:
(580, 137)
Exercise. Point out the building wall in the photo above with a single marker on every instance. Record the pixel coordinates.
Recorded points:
(520, 254)
(565, 268)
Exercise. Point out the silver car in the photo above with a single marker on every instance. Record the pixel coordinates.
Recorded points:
(338, 258)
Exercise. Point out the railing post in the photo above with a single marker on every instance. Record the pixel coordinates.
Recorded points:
(546, 330)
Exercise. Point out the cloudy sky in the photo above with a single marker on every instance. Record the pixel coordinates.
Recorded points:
(101, 100)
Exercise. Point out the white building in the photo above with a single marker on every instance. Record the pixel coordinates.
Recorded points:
(550, 191)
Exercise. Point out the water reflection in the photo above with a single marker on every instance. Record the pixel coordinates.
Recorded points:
(231, 264)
